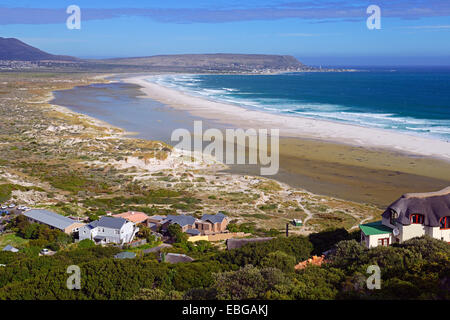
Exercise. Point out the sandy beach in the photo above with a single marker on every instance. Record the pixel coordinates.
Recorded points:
(299, 127)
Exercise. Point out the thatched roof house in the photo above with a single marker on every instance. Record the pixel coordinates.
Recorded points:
(432, 205)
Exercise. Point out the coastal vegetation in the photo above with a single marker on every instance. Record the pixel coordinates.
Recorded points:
(256, 271)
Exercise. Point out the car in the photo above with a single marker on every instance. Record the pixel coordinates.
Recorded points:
(4, 207)
(12, 205)
(45, 251)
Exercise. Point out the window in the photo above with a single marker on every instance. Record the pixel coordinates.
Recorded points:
(393, 217)
(445, 222)
(416, 218)
(383, 242)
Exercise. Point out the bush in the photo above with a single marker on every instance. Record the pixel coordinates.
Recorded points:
(86, 243)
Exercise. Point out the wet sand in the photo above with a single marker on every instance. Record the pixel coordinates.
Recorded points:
(359, 174)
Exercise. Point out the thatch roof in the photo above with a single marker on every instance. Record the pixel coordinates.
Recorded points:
(433, 206)
(237, 243)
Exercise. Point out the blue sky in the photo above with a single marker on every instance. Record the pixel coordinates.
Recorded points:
(321, 32)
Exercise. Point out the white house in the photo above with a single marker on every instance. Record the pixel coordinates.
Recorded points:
(109, 230)
(413, 215)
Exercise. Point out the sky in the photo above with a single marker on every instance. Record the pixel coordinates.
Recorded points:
(321, 32)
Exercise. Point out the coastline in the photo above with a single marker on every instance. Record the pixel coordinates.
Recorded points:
(294, 127)
(336, 169)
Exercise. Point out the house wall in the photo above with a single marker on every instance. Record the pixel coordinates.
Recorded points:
(411, 231)
(124, 235)
(372, 240)
(73, 227)
(438, 233)
(84, 232)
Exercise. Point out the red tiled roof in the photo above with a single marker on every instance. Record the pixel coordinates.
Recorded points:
(315, 260)
(133, 216)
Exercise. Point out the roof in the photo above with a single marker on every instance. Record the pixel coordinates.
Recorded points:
(181, 220)
(10, 248)
(433, 206)
(193, 232)
(133, 216)
(177, 258)
(214, 218)
(237, 243)
(315, 260)
(374, 228)
(125, 255)
(108, 222)
(49, 218)
(157, 217)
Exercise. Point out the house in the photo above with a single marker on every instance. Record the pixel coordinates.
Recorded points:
(184, 221)
(212, 223)
(175, 258)
(412, 215)
(109, 230)
(10, 248)
(125, 255)
(133, 216)
(154, 222)
(53, 220)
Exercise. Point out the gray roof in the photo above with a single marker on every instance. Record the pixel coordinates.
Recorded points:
(177, 258)
(10, 248)
(193, 232)
(49, 218)
(433, 206)
(237, 243)
(214, 218)
(181, 220)
(125, 255)
(157, 217)
(108, 222)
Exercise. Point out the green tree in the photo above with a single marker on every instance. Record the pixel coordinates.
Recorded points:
(177, 234)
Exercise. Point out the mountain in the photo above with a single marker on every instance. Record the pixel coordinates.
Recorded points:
(14, 49)
(218, 61)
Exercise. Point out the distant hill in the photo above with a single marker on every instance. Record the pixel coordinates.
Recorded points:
(14, 49)
(217, 61)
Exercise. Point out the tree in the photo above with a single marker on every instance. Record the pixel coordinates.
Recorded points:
(158, 294)
(86, 243)
(248, 282)
(177, 234)
(279, 260)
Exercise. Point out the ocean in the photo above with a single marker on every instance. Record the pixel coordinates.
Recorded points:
(410, 100)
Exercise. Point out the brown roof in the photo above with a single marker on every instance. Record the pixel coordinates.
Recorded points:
(177, 258)
(237, 243)
(433, 206)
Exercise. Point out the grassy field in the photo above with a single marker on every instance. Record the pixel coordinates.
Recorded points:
(12, 239)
